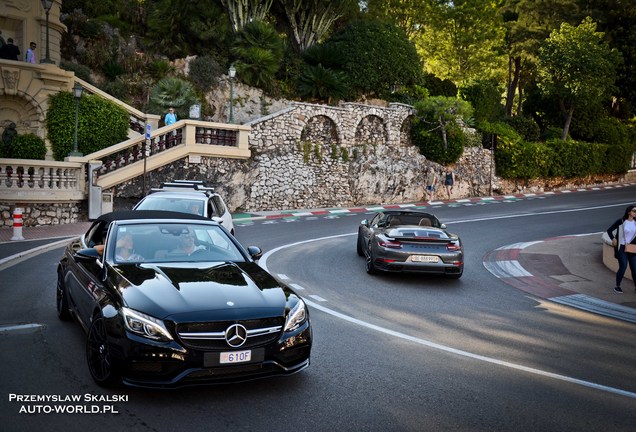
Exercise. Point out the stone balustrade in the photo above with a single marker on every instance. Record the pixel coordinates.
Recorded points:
(26, 180)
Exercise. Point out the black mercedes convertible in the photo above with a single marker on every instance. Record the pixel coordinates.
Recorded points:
(170, 299)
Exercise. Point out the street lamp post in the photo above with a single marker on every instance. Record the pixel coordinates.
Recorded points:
(47, 4)
(232, 73)
(77, 92)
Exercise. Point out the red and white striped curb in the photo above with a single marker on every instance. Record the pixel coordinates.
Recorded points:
(424, 204)
(504, 263)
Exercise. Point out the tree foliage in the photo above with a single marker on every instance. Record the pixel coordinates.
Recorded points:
(463, 41)
(172, 92)
(309, 21)
(411, 16)
(576, 67)
(243, 12)
(258, 51)
(436, 128)
(376, 58)
(181, 28)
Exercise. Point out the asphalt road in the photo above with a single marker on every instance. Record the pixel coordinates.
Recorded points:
(391, 353)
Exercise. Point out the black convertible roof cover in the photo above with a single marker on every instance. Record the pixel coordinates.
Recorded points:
(147, 214)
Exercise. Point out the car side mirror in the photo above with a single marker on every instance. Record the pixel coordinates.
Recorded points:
(365, 222)
(443, 226)
(217, 219)
(255, 252)
(88, 255)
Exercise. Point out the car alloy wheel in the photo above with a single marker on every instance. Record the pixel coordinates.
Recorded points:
(98, 354)
(62, 299)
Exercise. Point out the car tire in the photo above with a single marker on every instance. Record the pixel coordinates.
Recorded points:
(98, 357)
(63, 312)
(359, 247)
(370, 266)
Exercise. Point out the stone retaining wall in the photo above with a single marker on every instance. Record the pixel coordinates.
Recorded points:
(315, 156)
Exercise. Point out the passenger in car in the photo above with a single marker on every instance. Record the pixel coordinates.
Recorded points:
(195, 208)
(125, 249)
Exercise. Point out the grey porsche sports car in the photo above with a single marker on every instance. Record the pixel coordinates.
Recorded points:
(409, 241)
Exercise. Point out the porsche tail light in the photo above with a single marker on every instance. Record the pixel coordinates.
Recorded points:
(453, 246)
(390, 244)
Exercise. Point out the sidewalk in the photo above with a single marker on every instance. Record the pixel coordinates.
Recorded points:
(567, 270)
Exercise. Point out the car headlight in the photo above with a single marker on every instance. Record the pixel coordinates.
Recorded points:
(145, 326)
(296, 316)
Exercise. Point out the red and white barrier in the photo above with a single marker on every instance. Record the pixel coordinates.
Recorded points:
(17, 224)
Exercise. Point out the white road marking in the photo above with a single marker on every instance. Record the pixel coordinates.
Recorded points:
(444, 348)
(296, 286)
(10, 328)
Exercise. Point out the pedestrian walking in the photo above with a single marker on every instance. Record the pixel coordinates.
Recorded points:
(449, 181)
(431, 183)
(623, 235)
(9, 51)
(30, 54)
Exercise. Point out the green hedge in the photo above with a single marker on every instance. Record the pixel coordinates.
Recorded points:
(27, 146)
(557, 158)
(101, 124)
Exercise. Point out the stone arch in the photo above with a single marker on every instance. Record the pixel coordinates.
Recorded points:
(322, 130)
(25, 112)
(27, 115)
(405, 132)
(371, 129)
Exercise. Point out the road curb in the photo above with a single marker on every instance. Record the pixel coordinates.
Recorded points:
(505, 263)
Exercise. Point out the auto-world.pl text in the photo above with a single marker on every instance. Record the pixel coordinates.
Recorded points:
(87, 403)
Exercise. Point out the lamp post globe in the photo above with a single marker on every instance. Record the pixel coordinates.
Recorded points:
(232, 74)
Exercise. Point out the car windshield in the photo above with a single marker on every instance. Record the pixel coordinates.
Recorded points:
(181, 205)
(173, 242)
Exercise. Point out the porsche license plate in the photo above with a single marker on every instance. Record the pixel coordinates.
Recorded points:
(232, 357)
(425, 258)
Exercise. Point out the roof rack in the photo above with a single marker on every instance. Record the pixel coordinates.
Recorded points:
(196, 185)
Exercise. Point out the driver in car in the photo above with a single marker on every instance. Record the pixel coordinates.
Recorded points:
(187, 245)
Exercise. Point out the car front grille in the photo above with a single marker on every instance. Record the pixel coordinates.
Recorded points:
(211, 335)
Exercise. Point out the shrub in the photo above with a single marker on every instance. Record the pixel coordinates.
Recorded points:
(28, 146)
(376, 56)
(485, 97)
(259, 51)
(80, 71)
(523, 160)
(204, 72)
(439, 87)
(101, 124)
(525, 126)
(432, 146)
(172, 92)
(319, 83)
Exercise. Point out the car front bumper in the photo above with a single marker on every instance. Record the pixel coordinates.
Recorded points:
(144, 363)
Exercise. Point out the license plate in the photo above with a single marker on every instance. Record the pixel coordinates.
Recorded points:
(425, 258)
(232, 357)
